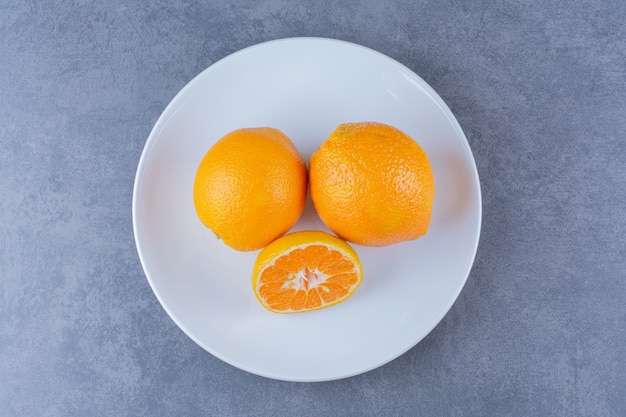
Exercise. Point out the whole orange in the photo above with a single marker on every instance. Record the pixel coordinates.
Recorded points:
(250, 187)
(372, 184)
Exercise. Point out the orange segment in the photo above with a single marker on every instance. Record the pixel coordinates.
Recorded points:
(305, 271)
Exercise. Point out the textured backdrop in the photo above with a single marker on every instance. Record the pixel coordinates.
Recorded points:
(539, 89)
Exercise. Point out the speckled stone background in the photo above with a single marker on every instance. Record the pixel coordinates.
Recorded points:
(540, 90)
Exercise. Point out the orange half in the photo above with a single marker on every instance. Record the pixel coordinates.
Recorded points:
(305, 271)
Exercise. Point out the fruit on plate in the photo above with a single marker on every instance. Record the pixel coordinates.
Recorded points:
(250, 187)
(372, 184)
(304, 271)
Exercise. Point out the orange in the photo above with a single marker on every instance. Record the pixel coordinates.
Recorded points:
(372, 184)
(305, 271)
(250, 187)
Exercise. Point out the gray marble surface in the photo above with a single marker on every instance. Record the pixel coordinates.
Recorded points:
(539, 89)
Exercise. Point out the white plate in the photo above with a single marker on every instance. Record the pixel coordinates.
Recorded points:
(304, 87)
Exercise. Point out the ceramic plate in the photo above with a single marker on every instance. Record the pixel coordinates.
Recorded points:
(304, 87)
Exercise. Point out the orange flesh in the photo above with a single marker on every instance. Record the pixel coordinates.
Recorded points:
(307, 278)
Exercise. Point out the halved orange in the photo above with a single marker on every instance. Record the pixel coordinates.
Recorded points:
(305, 271)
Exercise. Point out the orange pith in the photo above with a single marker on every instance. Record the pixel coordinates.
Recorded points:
(372, 184)
(305, 271)
(250, 187)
